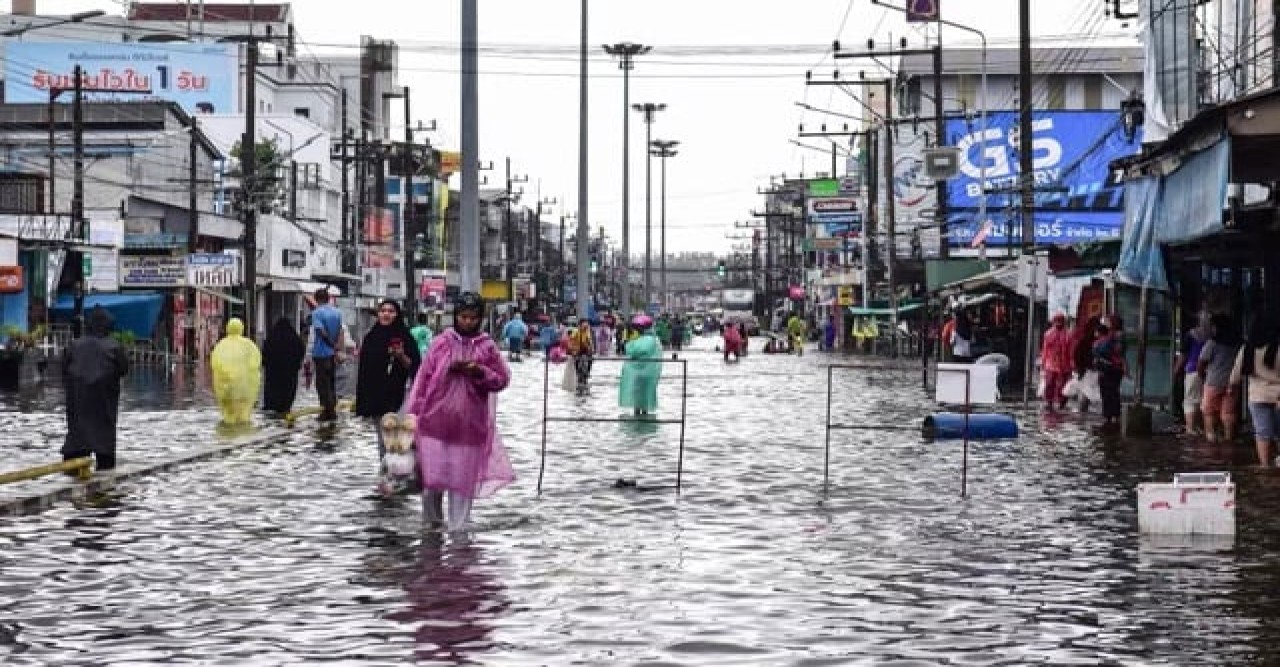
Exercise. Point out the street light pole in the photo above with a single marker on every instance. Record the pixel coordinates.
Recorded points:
(663, 149)
(584, 257)
(469, 234)
(650, 111)
(626, 53)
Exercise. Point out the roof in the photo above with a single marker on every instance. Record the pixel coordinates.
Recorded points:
(213, 12)
(1058, 60)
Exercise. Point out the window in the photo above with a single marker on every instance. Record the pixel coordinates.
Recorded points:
(1056, 92)
(302, 112)
(1093, 93)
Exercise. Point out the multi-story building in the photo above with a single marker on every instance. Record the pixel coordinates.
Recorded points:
(321, 213)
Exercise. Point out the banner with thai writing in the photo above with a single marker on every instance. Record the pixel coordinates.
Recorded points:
(202, 78)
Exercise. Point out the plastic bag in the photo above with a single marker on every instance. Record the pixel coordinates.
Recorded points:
(570, 380)
(1089, 388)
(399, 462)
(1072, 388)
(1041, 387)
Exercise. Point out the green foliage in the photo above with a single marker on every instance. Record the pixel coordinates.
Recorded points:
(125, 338)
(17, 339)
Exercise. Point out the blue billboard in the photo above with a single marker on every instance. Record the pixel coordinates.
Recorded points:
(202, 78)
(1078, 199)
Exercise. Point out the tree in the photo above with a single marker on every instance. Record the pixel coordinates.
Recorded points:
(267, 188)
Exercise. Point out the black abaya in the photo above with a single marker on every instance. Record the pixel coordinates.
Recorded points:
(91, 371)
(282, 356)
(381, 383)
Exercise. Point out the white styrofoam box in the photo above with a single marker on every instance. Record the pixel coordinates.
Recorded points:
(1194, 503)
(982, 379)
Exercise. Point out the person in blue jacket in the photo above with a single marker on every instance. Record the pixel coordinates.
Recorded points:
(515, 333)
(548, 336)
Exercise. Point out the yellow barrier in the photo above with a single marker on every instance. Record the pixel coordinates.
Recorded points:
(292, 417)
(82, 467)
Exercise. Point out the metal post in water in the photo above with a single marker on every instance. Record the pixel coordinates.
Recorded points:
(826, 456)
(546, 385)
(684, 403)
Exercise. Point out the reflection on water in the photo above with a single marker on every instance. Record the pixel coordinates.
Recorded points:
(282, 555)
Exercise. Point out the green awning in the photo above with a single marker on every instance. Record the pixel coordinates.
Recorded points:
(858, 311)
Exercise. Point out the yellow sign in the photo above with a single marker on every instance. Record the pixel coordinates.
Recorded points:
(495, 290)
(845, 295)
(450, 163)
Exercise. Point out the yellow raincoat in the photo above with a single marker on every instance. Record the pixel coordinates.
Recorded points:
(237, 374)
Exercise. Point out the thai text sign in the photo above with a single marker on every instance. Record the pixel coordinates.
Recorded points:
(202, 78)
(1078, 199)
(213, 270)
(153, 271)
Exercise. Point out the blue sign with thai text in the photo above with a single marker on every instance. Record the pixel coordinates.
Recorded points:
(1078, 199)
(202, 78)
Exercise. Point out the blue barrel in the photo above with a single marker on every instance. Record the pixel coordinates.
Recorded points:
(982, 426)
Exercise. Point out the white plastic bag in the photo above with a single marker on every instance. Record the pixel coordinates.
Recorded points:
(570, 380)
(1089, 387)
(1072, 388)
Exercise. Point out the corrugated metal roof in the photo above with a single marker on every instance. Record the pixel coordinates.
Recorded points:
(1057, 60)
(213, 12)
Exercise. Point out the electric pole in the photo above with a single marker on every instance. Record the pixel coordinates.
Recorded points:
(626, 53)
(469, 234)
(77, 257)
(583, 229)
(248, 187)
(650, 112)
(1026, 167)
(663, 150)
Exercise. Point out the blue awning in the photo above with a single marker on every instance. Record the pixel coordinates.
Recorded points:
(1184, 205)
(137, 312)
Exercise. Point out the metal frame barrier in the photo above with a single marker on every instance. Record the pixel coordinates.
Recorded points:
(684, 403)
(826, 455)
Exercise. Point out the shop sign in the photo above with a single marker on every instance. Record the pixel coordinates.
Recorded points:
(213, 270)
(11, 281)
(152, 271)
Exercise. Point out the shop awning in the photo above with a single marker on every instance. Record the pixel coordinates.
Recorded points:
(858, 311)
(136, 312)
(1005, 277)
(291, 285)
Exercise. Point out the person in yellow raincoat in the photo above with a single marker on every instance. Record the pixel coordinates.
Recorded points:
(237, 374)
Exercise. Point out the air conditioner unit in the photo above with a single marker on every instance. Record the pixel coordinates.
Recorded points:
(941, 164)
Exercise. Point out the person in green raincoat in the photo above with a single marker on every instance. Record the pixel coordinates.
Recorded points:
(422, 335)
(640, 375)
(237, 374)
(663, 330)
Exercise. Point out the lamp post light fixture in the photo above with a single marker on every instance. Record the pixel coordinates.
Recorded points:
(663, 149)
(626, 53)
(650, 112)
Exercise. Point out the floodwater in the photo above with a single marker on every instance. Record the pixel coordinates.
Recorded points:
(279, 554)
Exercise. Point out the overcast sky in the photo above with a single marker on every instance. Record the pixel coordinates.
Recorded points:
(730, 72)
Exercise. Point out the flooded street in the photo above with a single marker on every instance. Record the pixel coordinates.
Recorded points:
(279, 554)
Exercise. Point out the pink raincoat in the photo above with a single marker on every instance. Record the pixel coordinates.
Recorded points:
(1055, 354)
(458, 445)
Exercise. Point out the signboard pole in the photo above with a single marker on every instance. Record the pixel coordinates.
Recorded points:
(77, 201)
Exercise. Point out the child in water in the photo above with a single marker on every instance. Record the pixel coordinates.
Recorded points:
(455, 399)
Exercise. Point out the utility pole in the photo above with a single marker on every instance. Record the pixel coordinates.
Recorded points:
(890, 208)
(650, 111)
(407, 236)
(1025, 100)
(469, 234)
(564, 278)
(583, 252)
(249, 186)
(940, 135)
(76, 257)
(193, 240)
(348, 243)
(509, 228)
(626, 53)
(664, 149)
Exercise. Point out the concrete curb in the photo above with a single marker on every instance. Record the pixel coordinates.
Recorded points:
(74, 491)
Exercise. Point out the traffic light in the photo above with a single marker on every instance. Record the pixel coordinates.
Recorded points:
(720, 269)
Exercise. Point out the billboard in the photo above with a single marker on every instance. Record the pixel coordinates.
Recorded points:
(202, 78)
(1078, 198)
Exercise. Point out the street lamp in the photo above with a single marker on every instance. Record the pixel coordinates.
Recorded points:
(74, 18)
(650, 111)
(626, 53)
(663, 149)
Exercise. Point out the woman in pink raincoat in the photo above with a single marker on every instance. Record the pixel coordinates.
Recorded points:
(455, 398)
(1056, 362)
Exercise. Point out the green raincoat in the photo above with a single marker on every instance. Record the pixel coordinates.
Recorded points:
(639, 388)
